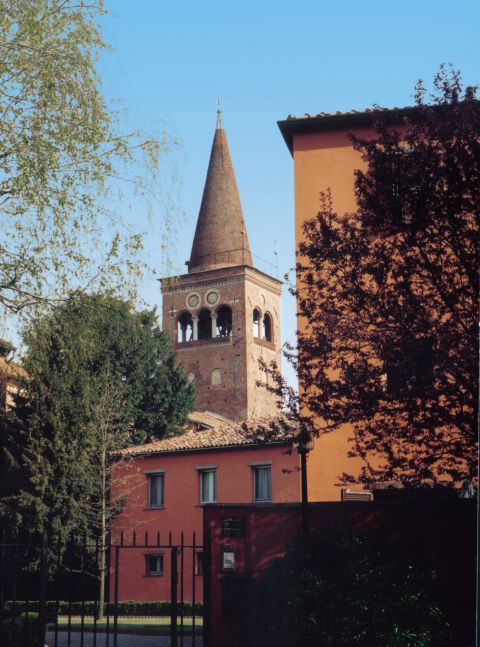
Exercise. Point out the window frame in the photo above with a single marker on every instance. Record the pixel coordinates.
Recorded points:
(156, 573)
(150, 476)
(203, 472)
(257, 469)
(199, 563)
(409, 369)
(267, 327)
(256, 323)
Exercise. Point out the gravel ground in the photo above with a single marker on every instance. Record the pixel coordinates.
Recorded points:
(123, 640)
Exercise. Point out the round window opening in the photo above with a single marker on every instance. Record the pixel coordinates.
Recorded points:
(193, 300)
(212, 298)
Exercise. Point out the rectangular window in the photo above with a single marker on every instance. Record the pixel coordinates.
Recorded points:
(262, 483)
(208, 486)
(409, 369)
(199, 563)
(156, 490)
(154, 565)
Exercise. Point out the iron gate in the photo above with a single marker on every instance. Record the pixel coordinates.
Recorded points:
(51, 592)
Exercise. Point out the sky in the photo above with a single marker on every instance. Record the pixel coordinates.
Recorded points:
(170, 62)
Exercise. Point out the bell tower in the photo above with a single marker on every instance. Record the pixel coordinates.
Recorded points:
(224, 315)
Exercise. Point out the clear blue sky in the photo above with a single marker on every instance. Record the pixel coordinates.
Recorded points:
(265, 60)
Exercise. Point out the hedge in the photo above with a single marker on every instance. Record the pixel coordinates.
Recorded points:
(126, 608)
(21, 631)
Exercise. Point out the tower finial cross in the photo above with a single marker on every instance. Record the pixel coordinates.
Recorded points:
(219, 115)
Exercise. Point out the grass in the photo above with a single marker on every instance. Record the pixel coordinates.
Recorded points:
(157, 625)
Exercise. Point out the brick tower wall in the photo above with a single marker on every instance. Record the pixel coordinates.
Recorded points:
(263, 293)
(235, 357)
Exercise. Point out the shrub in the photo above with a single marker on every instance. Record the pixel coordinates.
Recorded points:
(20, 631)
(126, 608)
(344, 590)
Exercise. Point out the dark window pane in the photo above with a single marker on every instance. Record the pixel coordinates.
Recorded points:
(154, 564)
(156, 490)
(262, 483)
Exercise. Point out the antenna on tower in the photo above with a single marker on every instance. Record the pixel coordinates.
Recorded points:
(275, 253)
(219, 115)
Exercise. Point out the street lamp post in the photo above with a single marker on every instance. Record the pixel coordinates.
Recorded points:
(303, 448)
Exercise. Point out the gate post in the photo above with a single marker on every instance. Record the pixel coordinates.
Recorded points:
(42, 619)
(115, 617)
(207, 575)
(173, 596)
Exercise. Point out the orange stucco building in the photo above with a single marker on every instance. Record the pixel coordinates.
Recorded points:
(222, 317)
(324, 159)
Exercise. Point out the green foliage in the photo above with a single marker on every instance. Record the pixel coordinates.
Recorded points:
(20, 631)
(125, 608)
(101, 377)
(342, 589)
(60, 150)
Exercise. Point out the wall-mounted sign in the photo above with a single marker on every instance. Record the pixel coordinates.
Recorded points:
(233, 527)
(228, 561)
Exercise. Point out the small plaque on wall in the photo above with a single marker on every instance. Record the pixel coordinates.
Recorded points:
(233, 527)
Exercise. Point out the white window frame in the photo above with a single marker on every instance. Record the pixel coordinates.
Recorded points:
(257, 469)
(203, 473)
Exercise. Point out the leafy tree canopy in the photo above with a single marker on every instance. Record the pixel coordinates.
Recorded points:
(95, 366)
(60, 150)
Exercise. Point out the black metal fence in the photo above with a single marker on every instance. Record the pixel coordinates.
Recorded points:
(80, 594)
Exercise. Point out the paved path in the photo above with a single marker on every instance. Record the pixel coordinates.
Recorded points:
(123, 640)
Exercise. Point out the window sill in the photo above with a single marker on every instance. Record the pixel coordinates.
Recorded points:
(264, 343)
(154, 507)
(211, 341)
(154, 575)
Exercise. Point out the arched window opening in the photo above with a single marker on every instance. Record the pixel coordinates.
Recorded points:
(256, 322)
(185, 328)
(204, 324)
(267, 327)
(216, 377)
(224, 321)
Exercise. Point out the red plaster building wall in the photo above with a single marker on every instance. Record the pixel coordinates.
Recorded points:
(441, 536)
(182, 511)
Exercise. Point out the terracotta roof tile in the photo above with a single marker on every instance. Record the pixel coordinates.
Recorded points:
(225, 435)
(11, 369)
(208, 419)
(340, 113)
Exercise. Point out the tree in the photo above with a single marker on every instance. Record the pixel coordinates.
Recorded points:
(60, 150)
(389, 297)
(101, 377)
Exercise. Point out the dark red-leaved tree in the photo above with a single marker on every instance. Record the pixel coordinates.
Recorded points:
(389, 297)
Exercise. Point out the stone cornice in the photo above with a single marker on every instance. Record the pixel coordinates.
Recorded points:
(179, 287)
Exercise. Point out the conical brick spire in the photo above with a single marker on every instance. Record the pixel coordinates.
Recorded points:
(220, 237)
